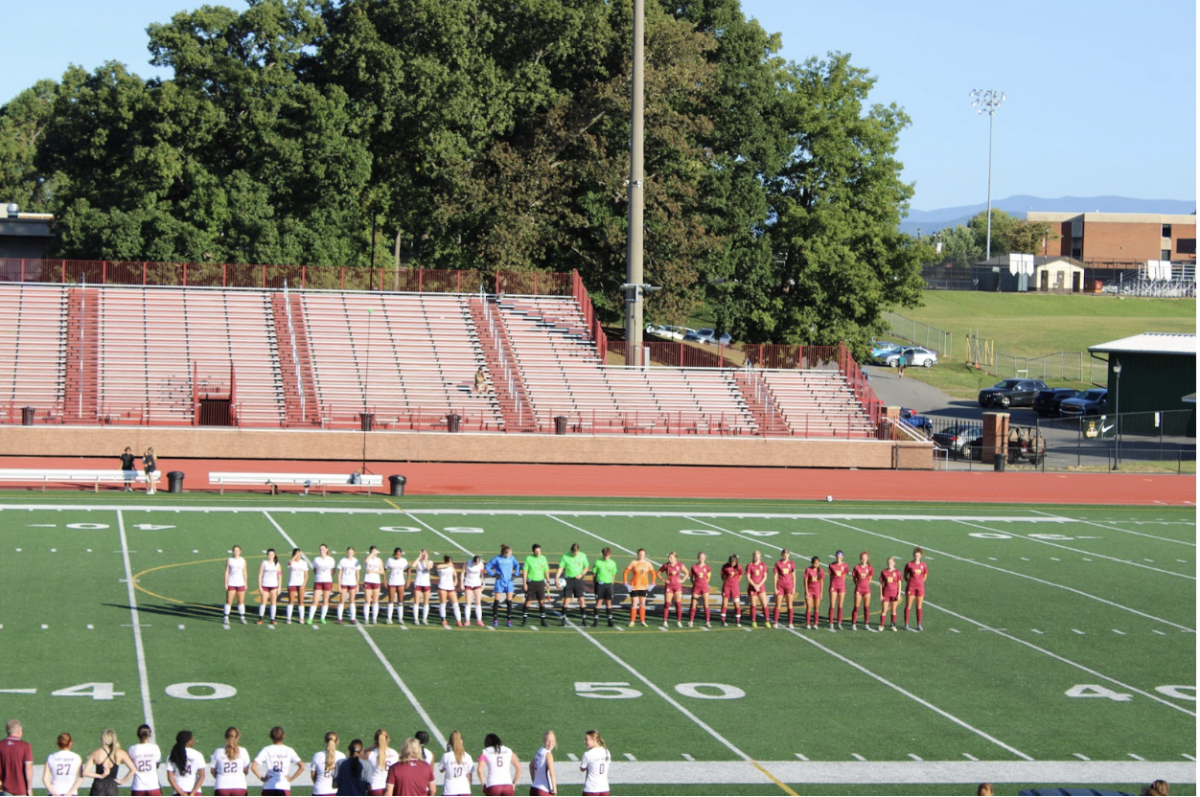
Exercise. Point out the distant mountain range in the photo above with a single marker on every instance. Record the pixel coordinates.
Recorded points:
(930, 221)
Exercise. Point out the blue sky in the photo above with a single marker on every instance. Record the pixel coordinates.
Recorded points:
(1101, 95)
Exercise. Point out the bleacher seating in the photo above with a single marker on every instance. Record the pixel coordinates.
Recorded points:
(32, 349)
(411, 359)
(818, 403)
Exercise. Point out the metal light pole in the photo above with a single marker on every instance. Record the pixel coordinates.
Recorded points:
(988, 100)
(1117, 457)
(633, 264)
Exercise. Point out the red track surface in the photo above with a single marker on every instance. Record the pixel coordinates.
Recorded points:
(699, 482)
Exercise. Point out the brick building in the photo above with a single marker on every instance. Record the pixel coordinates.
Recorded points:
(1119, 241)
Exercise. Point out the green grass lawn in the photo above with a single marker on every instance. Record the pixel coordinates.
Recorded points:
(1059, 642)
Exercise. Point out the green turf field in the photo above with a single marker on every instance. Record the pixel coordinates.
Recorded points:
(1059, 643)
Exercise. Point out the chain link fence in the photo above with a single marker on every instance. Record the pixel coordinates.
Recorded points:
(921, 334)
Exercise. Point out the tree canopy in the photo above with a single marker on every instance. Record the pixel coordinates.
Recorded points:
(488, 134)
(966, 245)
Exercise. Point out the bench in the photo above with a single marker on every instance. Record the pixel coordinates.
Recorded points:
(325, 481)
(93, 477)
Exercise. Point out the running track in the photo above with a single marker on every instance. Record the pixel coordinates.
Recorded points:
(982, 486)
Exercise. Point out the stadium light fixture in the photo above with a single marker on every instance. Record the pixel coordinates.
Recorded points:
(987, 101)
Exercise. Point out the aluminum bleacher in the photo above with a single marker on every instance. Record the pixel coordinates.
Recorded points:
(32, 349)
(818, 403)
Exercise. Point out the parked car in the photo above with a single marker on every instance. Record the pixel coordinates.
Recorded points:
(915, 420)
(881, 349)
(1047, 402)
(658, 330)
(1023, 443)
(1011, 393)
(1092, 402)
(955, 439)
(913, 355)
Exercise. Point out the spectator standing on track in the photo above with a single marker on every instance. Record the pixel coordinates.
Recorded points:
(127, 459)
(103, 765)
(16, 761)
(411, 775)
(150, 466)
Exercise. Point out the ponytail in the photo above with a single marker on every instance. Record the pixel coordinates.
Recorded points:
(381, 746)
(331, 741)
(232, 750)
(178, 755)
(595, 737)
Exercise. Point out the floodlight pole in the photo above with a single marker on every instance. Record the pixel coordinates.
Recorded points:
(988, 100)
(633, 263)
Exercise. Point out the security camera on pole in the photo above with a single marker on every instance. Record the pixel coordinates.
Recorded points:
(987, 100)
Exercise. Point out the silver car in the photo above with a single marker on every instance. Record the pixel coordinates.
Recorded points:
(913, 355)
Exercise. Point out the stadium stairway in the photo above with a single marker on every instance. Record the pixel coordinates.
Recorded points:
(301, 407)
(761, 403)
(509, 387)
(81, 377)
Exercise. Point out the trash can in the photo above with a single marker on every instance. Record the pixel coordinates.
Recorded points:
(560, 424)
(397, 483)
(367, 420)
(453, 422)
(175, 481)
(27, 416)
(999, 461)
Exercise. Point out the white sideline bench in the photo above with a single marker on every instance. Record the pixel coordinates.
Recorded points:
(323, 480)
(93, 477)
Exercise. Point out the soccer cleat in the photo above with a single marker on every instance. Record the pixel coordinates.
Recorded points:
(480, 623)
(459, 622)
(495, 623)
(724, 624)
(754, 623)
(707, 624)
(543, 622)
(243, 621)
(790, 626)
(906, 628)
(920, 627)
(563, 624)
(644, 624)
(289, 622)
(839, 625)
(680, 623)
(353, 621)
(322, 621)
(509, 623)
(854, 626)
(894, 628)
(689, 623)
(666, 623)
(831, 628)
(446, 625)
(259, 622)
(610, 622)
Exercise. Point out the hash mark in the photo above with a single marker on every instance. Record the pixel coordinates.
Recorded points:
(954, 630)
(1081, 756)
(1151, 561)
(1160, 633)
(1034, 630)
(1024, 558)
(630, 757)
(1188, 757)
(1077, 631)
(572, 756)
(1136, 757)
(1055, 559)
(1121, 633)
(994, 559)
(858, 757)
(801, 757)
(181, 626)
(915, 757)
(90, 628)
(1086, 559)
(970, 757)
(687, 757)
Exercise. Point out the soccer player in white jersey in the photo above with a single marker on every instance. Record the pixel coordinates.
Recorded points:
(273, 763)
(297, 581)
(61, 775)
(595, 763)
(348, 568)
(229, 765)
(448, 589)
(235, 584)
(372, 583)
(456, 765)
(185, 766)
(381, 752)
(146, 757)
(543, 779)
(397, 572)
(496, 766)
(269, 578)
(322, 583)
(472, 583)
(324, 766)
(422, 568)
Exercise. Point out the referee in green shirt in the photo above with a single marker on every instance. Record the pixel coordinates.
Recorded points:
(536, 570)
(574, 566)
(604, 571)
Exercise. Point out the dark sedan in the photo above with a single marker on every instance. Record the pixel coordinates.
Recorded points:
(1047, 402)
(1011, 393)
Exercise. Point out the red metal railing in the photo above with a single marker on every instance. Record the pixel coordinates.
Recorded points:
(678, 355)
(579, 291)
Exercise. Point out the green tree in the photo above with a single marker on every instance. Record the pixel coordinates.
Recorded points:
(23, 123)
(1009, 234)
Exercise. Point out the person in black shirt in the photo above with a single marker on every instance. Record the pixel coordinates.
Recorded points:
(127, 465)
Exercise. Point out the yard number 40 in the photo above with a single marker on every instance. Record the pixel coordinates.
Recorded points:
(1095, 690)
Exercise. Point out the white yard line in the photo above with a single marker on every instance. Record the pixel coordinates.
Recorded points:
(138, 646)
(944, 714)
(387, 665)
(1110, 528)
(1077, 665)
(1077, 550)
(977, 563)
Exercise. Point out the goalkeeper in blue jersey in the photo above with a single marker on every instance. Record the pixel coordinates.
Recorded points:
(505, 568)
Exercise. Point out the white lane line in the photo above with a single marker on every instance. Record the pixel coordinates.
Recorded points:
(1078, 550)
(1018, 574)
(1039, 633)
(883, 680)
(1136, 757)
(1189, 757)
(969, 757)
(1077, 631)
(1113, 528)
(1160, 633)
(915, 757)
(630, 757)
(139, 648)
(687, 757)
(857, 757)
(1064, 660)
(624, 664)
(18, 691)
(1121, 633)
(387, 665)
(1081, 756)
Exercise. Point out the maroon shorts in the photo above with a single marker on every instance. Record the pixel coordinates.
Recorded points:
(785, 588)
(422, 589)
(268, 589)
(296, 592)
(534, 792)
(837, 590)
(500, 791)
(917, 591)
(322, 586)
(863, 591)
(370, 585)
(700, 590)
(235, 589)
(732, 593)
(597, 793)
(352, 588)
(890, 596)
(756, 591)
(673, 587)
(376, 792)
(814, 593)
(150, 793)
(230, 793)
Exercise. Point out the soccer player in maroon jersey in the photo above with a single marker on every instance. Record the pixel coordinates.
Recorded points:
(756, 574)
(731, 588)
(699, 574)
(837, 587)
(915, 574)
(889, 588)
(673, 572)
(813, 576)
(785, 585)
(862, 573)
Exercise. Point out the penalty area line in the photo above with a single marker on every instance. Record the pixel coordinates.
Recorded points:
(387, 665)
